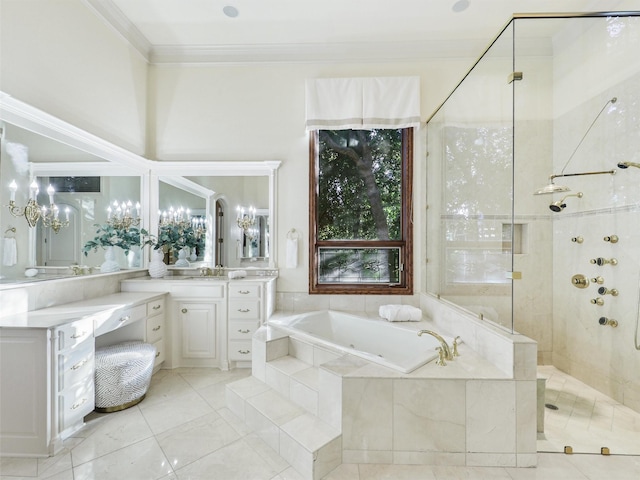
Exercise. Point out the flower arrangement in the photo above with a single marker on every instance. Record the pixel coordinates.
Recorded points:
(109, 236)
(178, 237)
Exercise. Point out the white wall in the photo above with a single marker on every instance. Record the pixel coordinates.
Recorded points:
(257, 113)
(58, 56)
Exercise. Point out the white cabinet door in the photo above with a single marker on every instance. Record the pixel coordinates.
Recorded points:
(198, 327)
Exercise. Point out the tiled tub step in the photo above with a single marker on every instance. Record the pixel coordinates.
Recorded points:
(308, 444)
(294, 380)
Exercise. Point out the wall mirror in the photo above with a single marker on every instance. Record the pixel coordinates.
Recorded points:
(56, 151)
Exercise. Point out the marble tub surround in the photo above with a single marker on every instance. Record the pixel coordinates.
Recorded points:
(472, 412)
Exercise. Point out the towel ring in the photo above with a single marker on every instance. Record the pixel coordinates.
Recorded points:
(10, 229)
(293, 233)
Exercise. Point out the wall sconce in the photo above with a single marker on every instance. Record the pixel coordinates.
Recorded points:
(33, 212)
(245, 220)
(120, 216)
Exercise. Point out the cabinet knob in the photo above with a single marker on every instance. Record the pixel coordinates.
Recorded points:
(184, 310)
(78, 335)
(125, 318)
(157, 307)
(157, 354)
(244, 331)
(244, 310)
(244, 352)
(155, 329)
(244, 292)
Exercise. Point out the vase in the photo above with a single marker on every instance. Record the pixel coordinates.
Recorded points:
(110, 264)
(157, 267)
(182, 258)
(193, 257)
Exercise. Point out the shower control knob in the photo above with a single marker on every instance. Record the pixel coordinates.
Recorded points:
(608, 321)
(599, 280)
(577, 239)
(611, 238)
(579, 281)
(603, 261)
(597, 301)
(606, 291)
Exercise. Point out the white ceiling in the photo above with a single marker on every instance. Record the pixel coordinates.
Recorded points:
(331, 30)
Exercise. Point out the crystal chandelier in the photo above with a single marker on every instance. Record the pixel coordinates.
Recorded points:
(121, 217)
(32, 212)
(178, 217)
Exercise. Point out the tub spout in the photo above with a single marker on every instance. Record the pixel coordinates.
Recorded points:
(445, 348)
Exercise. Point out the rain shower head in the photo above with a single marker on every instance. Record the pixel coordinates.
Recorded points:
(552, 188)
(625, 165)
(560, 205)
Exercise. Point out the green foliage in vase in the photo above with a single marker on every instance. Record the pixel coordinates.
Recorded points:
(109, 236)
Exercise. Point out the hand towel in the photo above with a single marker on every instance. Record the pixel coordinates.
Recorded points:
(292, 253)
(237, 274)
(400, 313)
(10, 252)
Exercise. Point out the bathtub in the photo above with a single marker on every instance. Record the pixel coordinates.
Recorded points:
(389, 344)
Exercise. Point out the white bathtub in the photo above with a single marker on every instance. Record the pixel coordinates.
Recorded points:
(373, 339)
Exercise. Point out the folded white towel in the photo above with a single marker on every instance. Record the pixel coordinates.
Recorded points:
(10, 252)
(237, 274)
(400, 313)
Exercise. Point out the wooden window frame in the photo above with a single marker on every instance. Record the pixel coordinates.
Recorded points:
(405, 287)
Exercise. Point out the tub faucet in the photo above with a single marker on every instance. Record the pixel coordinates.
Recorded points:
(445, 348)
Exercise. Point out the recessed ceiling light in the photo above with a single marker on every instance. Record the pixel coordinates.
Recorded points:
(460, 6)
(230, 11)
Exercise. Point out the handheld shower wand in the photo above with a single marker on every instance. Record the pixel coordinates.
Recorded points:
(560, 205)
(625, 165)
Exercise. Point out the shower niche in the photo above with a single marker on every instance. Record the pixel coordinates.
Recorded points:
(533, 160)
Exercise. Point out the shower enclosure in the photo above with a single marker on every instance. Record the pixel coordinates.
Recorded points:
(554, 99)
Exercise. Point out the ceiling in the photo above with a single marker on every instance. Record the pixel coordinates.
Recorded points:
(193, 31)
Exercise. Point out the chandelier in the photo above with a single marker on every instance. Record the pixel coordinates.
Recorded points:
(178, 217)
(245, 220)
(199, 226)
(121, 217)
(33, 212)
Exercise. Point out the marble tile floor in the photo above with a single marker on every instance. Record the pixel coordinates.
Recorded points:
(586, 419)
(183, 430)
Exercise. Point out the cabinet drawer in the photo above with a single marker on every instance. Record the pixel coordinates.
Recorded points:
(120, 319)
(240, 350)
(76, 366)
(242, 329)
(74, 333)
(160, 352)
(243, 290)
(155, 328)
(244, 310)
(155, 307)
(74, 404)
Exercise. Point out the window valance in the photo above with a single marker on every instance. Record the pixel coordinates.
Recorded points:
(362, 103)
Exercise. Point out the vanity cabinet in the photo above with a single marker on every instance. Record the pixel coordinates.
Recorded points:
(245, 315)
(198, 330)
(210, 321)
(73, 368)
(47, 365)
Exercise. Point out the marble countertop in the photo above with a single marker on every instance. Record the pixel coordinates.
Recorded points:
(200, 279)
(52, 317)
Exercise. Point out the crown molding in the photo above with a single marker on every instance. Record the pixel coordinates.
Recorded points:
(113, 16)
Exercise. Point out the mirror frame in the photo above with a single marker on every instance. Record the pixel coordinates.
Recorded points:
(151, 172)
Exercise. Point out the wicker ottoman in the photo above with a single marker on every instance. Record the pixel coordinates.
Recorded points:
(123, 374)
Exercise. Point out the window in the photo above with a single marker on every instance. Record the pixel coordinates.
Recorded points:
(360, 203)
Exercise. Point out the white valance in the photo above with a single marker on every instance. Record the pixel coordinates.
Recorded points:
(362, 103)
